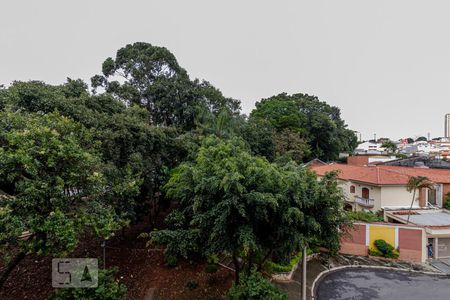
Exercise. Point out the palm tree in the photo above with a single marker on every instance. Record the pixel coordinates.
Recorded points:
(414, 184)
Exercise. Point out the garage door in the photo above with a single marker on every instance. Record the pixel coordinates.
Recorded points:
(443, 247)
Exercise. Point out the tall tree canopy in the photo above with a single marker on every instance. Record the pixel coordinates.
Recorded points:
(233, 202)
(150, 76)
(129, 147)
(73, 160)
(56, 186)
(313, 120)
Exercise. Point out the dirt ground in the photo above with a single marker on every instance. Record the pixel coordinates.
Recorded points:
(141, 269)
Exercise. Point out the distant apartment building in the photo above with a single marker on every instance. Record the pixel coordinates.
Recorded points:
(447, 125)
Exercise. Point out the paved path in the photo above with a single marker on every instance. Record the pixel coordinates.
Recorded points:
(441, 265)
(322, 263)
(382, 284)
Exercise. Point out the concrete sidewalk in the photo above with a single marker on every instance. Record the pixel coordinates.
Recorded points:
(294, 288)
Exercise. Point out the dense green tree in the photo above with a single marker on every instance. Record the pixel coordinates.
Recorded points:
(57, 189)
(313, 120)
(253, 287)
(289, 145)
(233, 202)
(390, 146)
(3, 97)
(223, 124)
(150, 76)
(129, 146)
(259, 135)
(421, 139)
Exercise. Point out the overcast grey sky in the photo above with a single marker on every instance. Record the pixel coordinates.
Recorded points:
(386, 64)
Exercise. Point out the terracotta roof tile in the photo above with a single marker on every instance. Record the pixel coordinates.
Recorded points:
(383, 175)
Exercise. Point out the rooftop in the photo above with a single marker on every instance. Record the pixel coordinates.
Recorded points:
(383, 175)
(423, 217)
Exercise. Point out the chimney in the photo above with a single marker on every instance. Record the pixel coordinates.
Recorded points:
(423, 197)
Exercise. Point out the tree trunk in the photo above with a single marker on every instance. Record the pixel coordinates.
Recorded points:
(261, 263)
(250, 262)
(410, 208)
(236, 268)
(11, 266)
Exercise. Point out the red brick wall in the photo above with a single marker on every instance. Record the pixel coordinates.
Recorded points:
(411, 255)
(358, 160)
(423, 197)
(410, 244)
(353, 249)
(353, 242)
(355, 235)
(445, 189)
(410, 241)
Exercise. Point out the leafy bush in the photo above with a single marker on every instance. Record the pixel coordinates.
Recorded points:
(447, 201)
(213, 259)
(192, 284)
(211, 268)
(364, 216)
(171, 260)
(375, 252)
(282, 268)
(385, 249)
(254, 286)
(108, 289)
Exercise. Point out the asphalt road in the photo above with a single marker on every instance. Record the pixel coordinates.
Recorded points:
(382, 284)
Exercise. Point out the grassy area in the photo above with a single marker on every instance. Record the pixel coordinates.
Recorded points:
(284, 268)
(365, 216)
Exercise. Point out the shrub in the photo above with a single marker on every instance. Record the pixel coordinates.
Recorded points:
(364, 216)
(385, 249)
(171, 260)
(108, 289)
(211, 268)
(192, 284)
(254, 286)
(447, 201)
(213, 259)
(282, 268)
(375, 252)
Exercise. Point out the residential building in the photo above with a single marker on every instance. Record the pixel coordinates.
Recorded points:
(374, 188)
(435, 222)
(417, 161)
(369, 159)
(370, 147)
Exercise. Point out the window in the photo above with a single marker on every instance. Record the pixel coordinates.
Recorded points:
(352, 189)
(365, 193)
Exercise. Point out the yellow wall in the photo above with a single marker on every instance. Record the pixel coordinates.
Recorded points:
(383, 233)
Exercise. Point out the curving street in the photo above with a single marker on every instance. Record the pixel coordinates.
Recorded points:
(382, 284)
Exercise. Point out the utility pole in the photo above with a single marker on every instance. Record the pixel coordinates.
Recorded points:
(304, 273)
(104, 254)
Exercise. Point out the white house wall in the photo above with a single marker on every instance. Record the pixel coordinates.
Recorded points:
(383, 196)
(397, 196)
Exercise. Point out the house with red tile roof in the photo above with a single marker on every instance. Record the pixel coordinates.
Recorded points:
(379, 187)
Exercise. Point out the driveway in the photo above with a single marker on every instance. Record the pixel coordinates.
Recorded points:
(382, 284)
